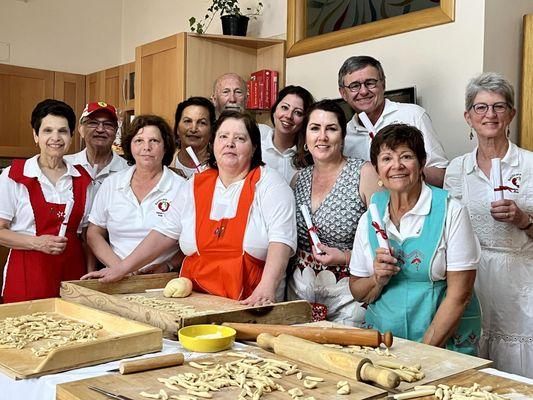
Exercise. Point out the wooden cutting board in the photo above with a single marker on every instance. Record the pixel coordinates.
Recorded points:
(504, 386)
(119, 338)
(437, 363)
(132, 385)
(110, 297)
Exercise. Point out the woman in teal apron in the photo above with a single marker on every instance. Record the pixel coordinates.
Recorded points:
(421, 288)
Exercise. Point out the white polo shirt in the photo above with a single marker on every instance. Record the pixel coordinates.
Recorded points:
(127, 222)
(117, 164)
(15, 203)
(272, 215)
(458, 249)
(358, 140)
(281, 162)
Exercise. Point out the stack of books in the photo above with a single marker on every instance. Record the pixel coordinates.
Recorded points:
(262, 89)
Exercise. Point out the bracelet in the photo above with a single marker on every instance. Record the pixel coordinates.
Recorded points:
(346, 257)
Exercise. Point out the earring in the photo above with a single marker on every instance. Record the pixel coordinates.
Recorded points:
(380, 183)
(508, 132)
(305, 147)
(471, 134)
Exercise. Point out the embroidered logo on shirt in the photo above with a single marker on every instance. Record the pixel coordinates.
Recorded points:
(163, 205)
(515, 180)
(415, 258)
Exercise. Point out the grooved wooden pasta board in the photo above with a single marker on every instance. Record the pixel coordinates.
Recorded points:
(504, 386)
(437, 363)
(132, 385)
(211, 309)
(118, 338)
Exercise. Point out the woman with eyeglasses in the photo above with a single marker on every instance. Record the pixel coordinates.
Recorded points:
(42, 208)
(504, 227)
(132, 201)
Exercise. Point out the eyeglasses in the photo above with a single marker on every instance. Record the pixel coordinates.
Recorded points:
(483, 108)
(356, 86)
(94, 124)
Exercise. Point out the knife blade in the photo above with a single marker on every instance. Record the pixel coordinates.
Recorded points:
(109, 394)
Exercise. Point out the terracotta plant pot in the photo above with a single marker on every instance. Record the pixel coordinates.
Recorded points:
(234, 24)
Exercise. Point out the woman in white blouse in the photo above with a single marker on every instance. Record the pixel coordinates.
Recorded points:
(43, 207)
(421, 287)
(504, 227)
(244, 219)
(278, 144)
(132, 201)
(193, 124)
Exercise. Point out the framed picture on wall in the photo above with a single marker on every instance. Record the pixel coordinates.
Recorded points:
(316, 25)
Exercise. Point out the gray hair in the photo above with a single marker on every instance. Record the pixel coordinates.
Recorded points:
(357, 63)
(489, 82)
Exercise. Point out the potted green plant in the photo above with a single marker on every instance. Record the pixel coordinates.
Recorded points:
(234, 21)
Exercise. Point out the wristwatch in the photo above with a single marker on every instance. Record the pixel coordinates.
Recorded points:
(529, 223)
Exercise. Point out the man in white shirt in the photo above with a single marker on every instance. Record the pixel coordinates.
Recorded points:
(98, 127)
(230, 93)
(362, 85)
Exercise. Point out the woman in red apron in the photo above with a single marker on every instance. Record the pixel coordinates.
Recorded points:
(218, 261)
(34, 207)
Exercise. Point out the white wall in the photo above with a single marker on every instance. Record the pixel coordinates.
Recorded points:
(503, 44)
(437, 60)
(77, 36)
(66, 35)
(143, 21)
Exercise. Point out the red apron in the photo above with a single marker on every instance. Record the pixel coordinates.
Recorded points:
(33, 274)
(220, 266)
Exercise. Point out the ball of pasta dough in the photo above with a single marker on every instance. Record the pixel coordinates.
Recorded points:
(178, 287)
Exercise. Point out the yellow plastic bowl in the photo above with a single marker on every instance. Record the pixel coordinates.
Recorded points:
(207, 338)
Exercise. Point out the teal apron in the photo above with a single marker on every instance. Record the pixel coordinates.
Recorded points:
(410, 300)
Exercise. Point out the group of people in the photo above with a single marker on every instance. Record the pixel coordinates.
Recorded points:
(238, 214)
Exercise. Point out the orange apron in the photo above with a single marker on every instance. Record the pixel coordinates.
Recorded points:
(220, 266)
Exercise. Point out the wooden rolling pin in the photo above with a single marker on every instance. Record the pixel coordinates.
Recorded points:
(333, 360)
(361, 337)
(145, 364)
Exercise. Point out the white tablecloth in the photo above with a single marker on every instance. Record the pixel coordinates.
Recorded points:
(44, 388)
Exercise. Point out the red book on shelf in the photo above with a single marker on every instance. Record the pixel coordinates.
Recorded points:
(274, 88)
(264, 78)
(249, 98)
(252, 86)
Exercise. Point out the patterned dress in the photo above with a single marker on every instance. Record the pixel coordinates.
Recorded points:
(336, 220)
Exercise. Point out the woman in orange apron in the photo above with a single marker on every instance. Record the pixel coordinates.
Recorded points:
(34, 208)
(244, 220)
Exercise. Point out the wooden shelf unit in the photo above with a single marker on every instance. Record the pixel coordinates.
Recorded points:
(172, 69)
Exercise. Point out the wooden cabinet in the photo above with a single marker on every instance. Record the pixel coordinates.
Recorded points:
(20, 90)
(113, 85)
(174, 68)
(70, 88)
(127, 86)
(104, 86)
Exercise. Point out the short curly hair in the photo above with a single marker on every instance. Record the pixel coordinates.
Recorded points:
(149, 120)
(394, 135)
